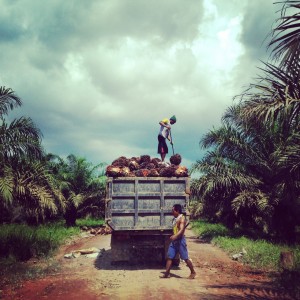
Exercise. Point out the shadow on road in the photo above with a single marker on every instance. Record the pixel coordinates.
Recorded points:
(249, 291)
(104, 262)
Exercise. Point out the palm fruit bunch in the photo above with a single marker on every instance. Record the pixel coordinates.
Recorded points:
(168, 171)
(113, 171)
(175, 160)
(165, 172)
(133, 165)
(145, 159)
(181, 171)
(155, 161)
(153, 173)
(150, 166)
(125, 171)
(121, 162)
(145, 166)
(142, 173)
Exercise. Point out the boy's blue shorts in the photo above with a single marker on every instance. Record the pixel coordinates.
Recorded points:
(178, 246)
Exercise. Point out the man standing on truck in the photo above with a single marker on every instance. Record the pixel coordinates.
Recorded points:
(164, 133)
(178, 243)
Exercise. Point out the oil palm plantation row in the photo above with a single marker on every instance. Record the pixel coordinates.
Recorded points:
(251, 172)
(82, 185)
(34, 186)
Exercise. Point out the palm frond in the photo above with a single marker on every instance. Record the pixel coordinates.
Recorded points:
(76, 199)
(289, 156)
(276, 98)
(285, 42)
(7, 185)
(252, 200)
(20, 138)
(8, 100)
(220, 177)
(36, 188)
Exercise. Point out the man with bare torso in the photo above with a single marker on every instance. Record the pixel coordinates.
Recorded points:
(178, 243)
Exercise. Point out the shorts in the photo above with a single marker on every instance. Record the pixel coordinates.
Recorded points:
(162, 145)
(178, 246)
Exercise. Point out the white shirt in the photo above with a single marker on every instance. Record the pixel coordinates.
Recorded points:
(164, 131)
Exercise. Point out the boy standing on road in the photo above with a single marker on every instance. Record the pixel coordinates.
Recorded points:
(164, 133)
(178, 243)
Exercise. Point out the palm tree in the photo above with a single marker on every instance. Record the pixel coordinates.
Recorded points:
(83, 188)
(254, 168)
(285, 42)
(24, 181)
(244, 179)
(8, 100)
(30, 186)
(274, 98)
(20, 137)
(222, 180)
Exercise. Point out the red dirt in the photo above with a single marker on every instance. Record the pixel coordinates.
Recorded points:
(218, 277)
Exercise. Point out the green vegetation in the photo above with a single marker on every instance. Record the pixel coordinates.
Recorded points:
(257, 252)
(260, 253)
(25, 183)
(81, 184)
(250, 175)
(90, 222)
(20, 242)
(36, 187)
(209, 230)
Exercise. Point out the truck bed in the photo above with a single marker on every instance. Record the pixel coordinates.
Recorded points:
(144, 203)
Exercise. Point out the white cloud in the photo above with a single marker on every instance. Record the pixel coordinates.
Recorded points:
(74, 66)
(98, 76)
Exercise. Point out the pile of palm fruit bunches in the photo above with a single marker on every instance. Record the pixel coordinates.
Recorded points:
(145, 166)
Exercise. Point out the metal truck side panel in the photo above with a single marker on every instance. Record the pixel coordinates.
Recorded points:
(144, 203)
(138, 246)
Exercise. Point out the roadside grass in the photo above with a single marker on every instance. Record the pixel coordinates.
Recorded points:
(209, 230)
(25, 251)
(257, 253)
(260, 254)
(23, 242)
(89, 222)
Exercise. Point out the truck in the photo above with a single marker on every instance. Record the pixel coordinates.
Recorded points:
(139, 212)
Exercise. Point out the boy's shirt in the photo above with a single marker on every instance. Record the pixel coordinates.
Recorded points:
(164, 131)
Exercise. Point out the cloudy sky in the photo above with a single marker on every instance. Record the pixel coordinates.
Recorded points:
(96, 76)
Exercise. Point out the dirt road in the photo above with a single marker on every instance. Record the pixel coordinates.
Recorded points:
(218, 277)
